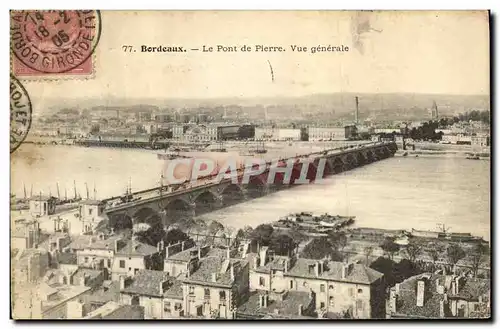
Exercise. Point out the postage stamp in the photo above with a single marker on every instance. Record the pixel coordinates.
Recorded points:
(20, 113)
(54, 42)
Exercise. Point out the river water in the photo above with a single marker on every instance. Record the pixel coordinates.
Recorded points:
(397, 193)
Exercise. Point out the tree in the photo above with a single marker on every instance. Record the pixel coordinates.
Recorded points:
(435, 253)
(175, 235)
(368, 252)
(389, 247)
(412, 251)
(339, 240)
(320, 248)
(215, 227)
(455, 253)
(152, 235)
(262, 234)
(477, 257)
(282, 244)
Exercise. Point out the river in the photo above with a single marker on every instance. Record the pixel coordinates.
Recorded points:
(396, 193)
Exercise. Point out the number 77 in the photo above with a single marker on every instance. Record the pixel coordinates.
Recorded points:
(127, 47)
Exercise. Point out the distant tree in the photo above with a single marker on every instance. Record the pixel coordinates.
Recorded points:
(368, 252)
(215, 227)
(320, 248)
(477, 256)
(338, 240)
(389, 247)
(386, 267)
(282, 244)
(175, 235)
(455, 253)
(262, 234)
(152, 235)
(412, 252)
(435, 253)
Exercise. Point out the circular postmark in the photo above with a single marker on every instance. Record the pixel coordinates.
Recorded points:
(20, 113)
(54, 41)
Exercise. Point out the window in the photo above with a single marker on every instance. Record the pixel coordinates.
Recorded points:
(304, 284)
(136, 270)
(351, 292)
(167, 307)
(177, 306)
(322, 305)
(191, 290)
(130, 269)
(322, 288)
(90, 211)
(291, 284)
(222, 295)
(109, 263)
(331, 301)
(207, 293)
(360, 291)
(262, 281)
(330, 287)
(122, 264)
(86, 259)
(359, 304)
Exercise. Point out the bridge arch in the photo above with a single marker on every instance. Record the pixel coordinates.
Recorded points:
(337, 165)
(350, 162)
(120, 221)
(232, 194)
(177, 210)
(146, 215)
(257, 186)
(205, 202)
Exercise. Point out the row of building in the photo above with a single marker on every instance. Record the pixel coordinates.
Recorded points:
(115, 276)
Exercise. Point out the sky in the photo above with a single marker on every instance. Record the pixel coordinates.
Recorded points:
(404, 52)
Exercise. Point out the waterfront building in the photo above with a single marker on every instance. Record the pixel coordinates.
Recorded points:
(332, 133)
(433, 296)
(277, 134)
(135, 256)
(352, 289)
(41, 205)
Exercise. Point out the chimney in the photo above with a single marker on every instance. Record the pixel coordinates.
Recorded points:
(398, 286)
(300, 310)
(420, 292)
(162, 283)
(457, 285)
(441, 308)
(393, 301)
(158, 247)
(345, 271)
(228, 253)
(83, 280)
(232, 272)
(214, 277)
(316, 268)
(90, 241)
(453, 287)
(263, 253)
(182, 245)
(199, 253)
(255, 263)
(116, 244)
(286, 265)
(122, 282)
(166, 252)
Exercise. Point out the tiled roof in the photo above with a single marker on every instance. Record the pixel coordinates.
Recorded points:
(68, 258)
(407, 297)
(358, 273)
(147, 282)
(175, 291)
(184, 255)
(85, 271)
(108, 292)
(126, 312)
(288, 306)
(136, 248)
(213, 264)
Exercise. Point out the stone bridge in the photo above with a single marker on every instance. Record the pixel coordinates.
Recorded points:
(170, 204)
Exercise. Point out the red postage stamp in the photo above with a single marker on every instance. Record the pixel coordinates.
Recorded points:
(54, 42)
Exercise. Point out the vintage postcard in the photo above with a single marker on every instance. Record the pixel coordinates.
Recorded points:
(320, 165)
